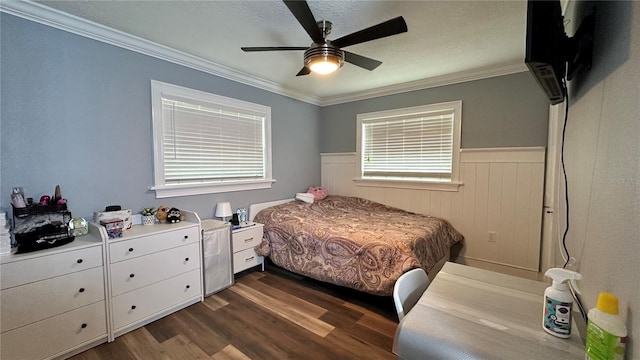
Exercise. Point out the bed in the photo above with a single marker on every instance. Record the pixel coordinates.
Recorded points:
(352, 242)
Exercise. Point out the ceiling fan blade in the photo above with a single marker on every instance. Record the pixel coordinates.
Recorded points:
(271, 48)
(387, 28)
(303, 14)
(362, 61)
(304, 71)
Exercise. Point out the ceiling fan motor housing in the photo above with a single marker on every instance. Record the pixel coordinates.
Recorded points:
(323, 52)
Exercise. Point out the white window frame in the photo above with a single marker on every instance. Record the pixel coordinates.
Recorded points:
(412, 183)
(162, 189)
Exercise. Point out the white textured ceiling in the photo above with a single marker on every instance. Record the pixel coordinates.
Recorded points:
(444, 37)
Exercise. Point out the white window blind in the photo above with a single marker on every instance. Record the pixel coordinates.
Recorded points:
(412, 144)
(205, 143)
(415, 146)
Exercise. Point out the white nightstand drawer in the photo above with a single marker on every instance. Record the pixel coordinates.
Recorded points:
(55, 335)
(142, 271)
(48, 266)
(246, 238)
(129, 249)
(147, 301)
(32, 302)
(245, 259)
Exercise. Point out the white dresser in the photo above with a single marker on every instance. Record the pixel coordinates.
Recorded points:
(244, 240)
(152, 271)
(52, 302)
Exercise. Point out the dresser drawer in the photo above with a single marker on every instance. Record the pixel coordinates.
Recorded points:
(49, 266)
(246, 238)
(147, 301)
(35, 301)
(245, 259)
(55, 335)
(129, 249)
(142, 271)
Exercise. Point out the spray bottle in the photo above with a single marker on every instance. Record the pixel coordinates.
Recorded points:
(558, 302)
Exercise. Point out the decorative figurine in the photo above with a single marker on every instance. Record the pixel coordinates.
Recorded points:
(78, 227)
(162, 212)
(173, 216)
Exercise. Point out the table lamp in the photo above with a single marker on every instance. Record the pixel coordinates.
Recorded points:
(223, 210)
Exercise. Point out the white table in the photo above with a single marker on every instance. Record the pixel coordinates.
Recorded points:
(470, 313)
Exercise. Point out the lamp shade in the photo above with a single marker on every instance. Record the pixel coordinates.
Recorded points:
(223, 209)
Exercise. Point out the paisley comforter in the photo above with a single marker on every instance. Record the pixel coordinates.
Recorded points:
(353, 242)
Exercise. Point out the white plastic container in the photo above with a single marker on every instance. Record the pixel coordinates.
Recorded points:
(558, 303)
(606, 331)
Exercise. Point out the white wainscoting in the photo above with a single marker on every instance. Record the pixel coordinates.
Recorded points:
(502, 193)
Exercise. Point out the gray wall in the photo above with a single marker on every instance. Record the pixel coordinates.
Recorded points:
(602, 157)
(503, 111)
(77, 112)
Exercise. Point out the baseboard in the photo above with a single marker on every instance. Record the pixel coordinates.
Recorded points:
(83, 347)
(501, 268)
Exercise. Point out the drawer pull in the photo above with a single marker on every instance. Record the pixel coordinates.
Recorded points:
(188, 286)
(81, 290)
(133, 307)
(248, 240)
(130, 249)
(186, 237)
(83, 325)
(249, 259)
(131, 275)
(79, 261)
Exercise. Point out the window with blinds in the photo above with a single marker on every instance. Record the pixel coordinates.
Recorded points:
(411, 144)
(205, 143)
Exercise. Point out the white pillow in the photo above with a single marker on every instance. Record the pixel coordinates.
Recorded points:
(306, 197)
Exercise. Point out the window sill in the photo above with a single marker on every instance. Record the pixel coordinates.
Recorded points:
(408, 184)
(164, 191)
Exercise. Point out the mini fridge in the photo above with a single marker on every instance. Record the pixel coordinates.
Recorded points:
(216, 253)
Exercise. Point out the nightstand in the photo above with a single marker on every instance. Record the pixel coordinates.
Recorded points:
(243, 241)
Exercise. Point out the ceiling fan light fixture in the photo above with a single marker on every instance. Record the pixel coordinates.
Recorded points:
(323, 59)
(324, 66)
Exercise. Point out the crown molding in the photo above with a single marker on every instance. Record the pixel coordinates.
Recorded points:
(432, 82)
(70, 23)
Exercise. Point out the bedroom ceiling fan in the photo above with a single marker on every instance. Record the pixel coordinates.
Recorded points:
(326, 56)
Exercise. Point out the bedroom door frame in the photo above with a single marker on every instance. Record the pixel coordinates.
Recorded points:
(553, 171)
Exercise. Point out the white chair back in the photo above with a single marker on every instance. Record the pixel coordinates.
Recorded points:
(408, 289)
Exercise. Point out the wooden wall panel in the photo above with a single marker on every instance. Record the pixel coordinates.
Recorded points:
(508, 227)
(498, 208)
(468, 192)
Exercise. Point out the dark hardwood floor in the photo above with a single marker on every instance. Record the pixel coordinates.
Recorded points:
(266, 315)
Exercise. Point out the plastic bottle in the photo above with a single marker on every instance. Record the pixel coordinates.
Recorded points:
(558, 302)
(606, 332)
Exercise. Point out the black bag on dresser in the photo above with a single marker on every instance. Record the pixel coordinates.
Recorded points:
(38, 227)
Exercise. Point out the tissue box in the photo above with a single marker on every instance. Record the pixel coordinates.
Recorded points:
(124, 215)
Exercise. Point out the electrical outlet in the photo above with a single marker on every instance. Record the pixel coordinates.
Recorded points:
(492, 236)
